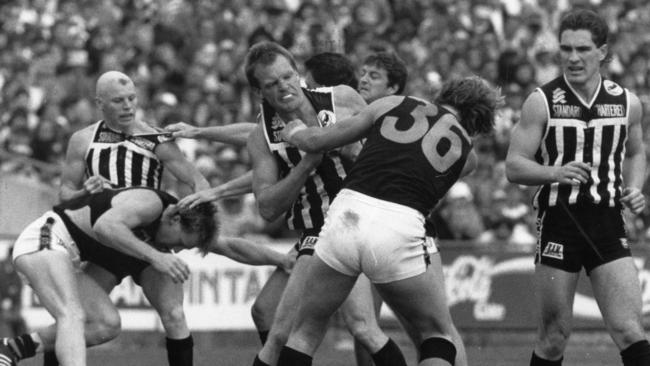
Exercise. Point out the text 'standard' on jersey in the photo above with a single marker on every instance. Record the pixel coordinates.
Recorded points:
(590, 131)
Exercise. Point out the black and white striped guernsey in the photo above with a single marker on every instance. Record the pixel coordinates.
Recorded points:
(593, 132)
(123, 160)
(308, 210)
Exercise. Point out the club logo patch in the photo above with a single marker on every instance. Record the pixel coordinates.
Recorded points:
(624, 243)
(612, 88)
(554, 250)
(326, 117)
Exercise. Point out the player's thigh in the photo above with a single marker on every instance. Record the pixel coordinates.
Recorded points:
(359, 305)
(555, 291)
(618, 292)
(421, 300)
(267, 300)
(325, 290)
(163, 293)
(102, 277)
(96, 302)
(53, 277)
(293, 292)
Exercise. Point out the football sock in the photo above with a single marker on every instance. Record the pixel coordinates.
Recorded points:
(264, 335)
(179, 351)
(49, 359)
(23, 346)
(389, 355)
(538, 361)
(291, 357)
(258, 362)
(637, 354)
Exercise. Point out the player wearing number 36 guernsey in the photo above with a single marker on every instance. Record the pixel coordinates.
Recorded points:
(414, 152)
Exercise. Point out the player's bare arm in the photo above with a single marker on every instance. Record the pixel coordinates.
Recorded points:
(248, 252)
(315, 139)
(235, 133)
(348, 102)
(634, 164)
(274, 195)
(174, 160)
(133, 209)
(232, 188)
(521, 166)
(73, 181)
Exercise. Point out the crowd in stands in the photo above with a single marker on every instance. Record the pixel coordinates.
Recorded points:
(185, 57)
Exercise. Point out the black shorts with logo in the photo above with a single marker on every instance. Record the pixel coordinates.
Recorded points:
(307, 242)
(587, 237)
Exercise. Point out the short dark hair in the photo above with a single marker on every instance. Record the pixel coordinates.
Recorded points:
(264, 53)
(475, 101)
(201, 219)
(587, 20)
(394, 66)
(331, 69)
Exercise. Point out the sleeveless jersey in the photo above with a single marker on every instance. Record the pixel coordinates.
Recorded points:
(125, 161)
(96, 205)
(308, 210)
(593, 132)
(413, 155)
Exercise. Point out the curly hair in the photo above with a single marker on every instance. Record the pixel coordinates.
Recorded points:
(475, 101)
(201, 219)
(395, 68)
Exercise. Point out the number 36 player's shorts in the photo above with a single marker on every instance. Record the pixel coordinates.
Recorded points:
(383, 240)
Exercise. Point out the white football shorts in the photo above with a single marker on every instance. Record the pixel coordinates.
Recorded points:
(384, 240)
(29, 241)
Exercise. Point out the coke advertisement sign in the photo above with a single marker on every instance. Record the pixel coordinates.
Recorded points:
(495, 289)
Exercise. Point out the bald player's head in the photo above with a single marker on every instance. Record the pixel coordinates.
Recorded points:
(116, 97)
(108, 80)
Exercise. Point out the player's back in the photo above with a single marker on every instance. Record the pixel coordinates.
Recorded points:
(414, 153)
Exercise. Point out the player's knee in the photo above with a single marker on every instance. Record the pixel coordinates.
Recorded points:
(262, 315)
(172, 316)
(362, 329)
(101, 329)
(436, 347)
(627, 332)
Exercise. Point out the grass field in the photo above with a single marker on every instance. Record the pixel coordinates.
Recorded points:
(239, 348)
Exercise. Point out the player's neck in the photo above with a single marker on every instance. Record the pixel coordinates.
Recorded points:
(121, 127)
(587, 89)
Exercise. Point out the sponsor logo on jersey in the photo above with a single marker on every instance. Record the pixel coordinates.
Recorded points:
(559, 96)
(610, 110)
(109, 137)
(624, 243)
(554, 250)
(326, 117)
(612, 88)
(142, 142)
(566, 111)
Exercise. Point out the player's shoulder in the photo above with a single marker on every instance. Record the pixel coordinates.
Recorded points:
(83, 135)
(144, 127)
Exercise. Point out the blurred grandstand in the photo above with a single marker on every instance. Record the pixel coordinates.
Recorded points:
(185, 58)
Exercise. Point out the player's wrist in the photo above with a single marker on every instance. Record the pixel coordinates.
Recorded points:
(294, 130)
